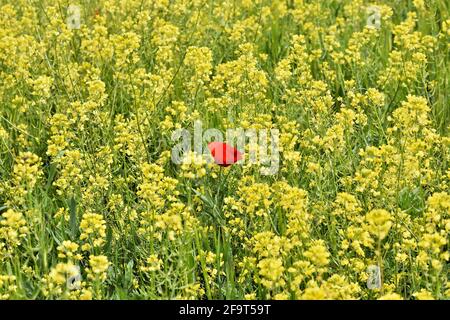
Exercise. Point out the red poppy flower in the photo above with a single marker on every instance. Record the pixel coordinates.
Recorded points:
(224, 154)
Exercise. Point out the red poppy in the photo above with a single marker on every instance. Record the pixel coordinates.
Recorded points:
(224, 154)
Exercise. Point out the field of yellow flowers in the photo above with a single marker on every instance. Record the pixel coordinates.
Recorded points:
(93, 207)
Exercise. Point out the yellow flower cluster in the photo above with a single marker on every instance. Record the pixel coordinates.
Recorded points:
(26, 172)
(7, 287)
(98, 266)
(193, 166)
(378, 223)
(68, 249)
(64, 281)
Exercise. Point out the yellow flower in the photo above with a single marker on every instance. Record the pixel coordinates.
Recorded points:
(68, 249)
(271, 270)
(423, 295)
(98, 266)
(391, 296)
(86, 295)
(314, 293)
(13, 228)
(194, 166)
(93, 230)
(7, 286)
(318, 253)
(153, 263)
